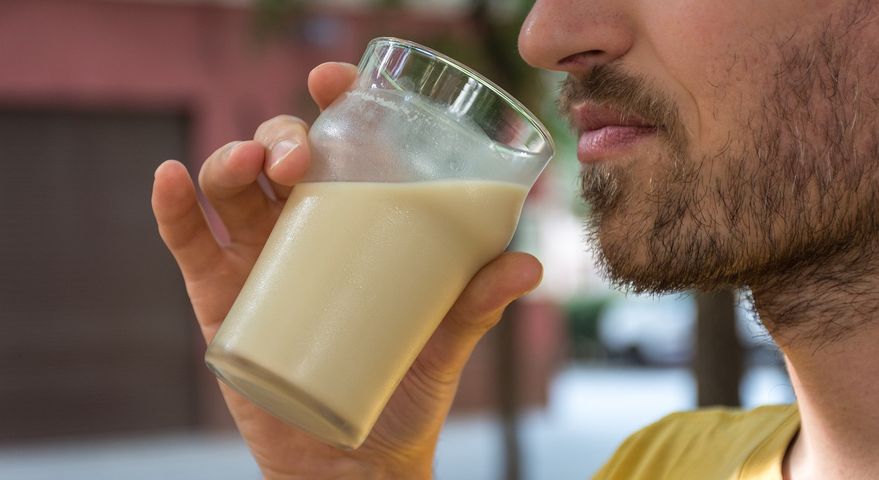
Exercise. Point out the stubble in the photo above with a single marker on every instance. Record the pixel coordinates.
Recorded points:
(793, 193)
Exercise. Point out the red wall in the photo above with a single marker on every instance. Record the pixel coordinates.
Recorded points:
(205, 60)
(208, 62)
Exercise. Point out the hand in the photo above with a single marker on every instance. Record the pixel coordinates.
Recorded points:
(403, 441)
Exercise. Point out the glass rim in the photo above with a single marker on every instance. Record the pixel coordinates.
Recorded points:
(464, 69)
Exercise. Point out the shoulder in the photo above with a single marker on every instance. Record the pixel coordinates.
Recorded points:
(710, 422)
(709, 442)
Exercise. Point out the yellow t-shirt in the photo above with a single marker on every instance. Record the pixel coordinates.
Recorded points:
(710, 444)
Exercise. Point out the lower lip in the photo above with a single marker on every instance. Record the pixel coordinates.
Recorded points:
(597, 145)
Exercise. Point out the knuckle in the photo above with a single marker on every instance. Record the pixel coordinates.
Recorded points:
(476, 303)
(431, 379)
(471, 319)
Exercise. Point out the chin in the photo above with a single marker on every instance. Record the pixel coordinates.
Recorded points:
(627, 261)
(622, 257)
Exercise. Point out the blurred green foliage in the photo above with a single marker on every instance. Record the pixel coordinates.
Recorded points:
(496, 22)
(583, 315)
(272, 15)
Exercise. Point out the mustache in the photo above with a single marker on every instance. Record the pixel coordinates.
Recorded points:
(609, 85)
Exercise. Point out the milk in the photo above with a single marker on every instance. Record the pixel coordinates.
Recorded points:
(352, 282)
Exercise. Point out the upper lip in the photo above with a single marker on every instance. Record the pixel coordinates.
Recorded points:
(589, 116)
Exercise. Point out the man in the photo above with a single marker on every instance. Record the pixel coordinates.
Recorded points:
(723, 144)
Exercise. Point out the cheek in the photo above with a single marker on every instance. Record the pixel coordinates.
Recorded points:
(702, 56)
(717, 57)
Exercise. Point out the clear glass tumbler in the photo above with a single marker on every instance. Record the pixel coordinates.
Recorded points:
(418, 176)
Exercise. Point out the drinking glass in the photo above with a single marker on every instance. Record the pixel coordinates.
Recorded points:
(418, 175)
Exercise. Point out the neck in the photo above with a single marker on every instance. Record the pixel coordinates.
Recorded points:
(825, 322)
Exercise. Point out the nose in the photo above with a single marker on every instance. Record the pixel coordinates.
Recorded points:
(575, 36)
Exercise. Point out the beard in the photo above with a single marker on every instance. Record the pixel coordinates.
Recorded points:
(793, 189)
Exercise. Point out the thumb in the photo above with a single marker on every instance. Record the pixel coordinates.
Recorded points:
(329, 80)
(477, 310)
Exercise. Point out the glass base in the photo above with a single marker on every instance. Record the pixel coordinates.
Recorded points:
(283, 399)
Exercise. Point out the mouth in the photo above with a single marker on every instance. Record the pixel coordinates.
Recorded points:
(605, 132)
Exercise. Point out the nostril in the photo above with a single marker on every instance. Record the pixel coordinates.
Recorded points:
(583, 58)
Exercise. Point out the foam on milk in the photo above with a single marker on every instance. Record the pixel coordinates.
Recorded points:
(409, 139)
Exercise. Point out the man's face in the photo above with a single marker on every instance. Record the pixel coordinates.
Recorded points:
(723, 141)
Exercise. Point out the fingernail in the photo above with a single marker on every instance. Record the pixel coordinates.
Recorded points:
(229, 149)
(281, 151)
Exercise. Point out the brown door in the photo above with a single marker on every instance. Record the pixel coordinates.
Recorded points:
(95, 331)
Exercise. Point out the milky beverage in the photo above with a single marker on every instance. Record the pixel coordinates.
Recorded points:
(340, 251)
(354, 279)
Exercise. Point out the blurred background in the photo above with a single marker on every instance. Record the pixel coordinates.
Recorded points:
(101, 371)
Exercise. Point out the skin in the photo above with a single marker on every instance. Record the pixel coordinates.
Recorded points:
(761, 175)
(403, 441)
